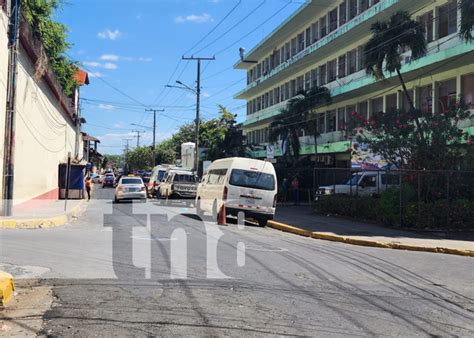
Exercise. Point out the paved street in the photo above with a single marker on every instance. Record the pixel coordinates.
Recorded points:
(113, 275)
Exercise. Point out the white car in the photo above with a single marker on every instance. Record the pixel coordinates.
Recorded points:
(243, 185)
(180, 184)
(130, 188)
(364, 183)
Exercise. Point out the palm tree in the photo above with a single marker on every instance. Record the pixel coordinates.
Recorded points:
(297, 116)
(467, 20)
(389, 40)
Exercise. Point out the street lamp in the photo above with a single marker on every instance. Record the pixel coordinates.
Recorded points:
(197, 92)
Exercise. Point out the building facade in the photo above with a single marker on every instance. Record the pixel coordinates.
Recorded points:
(322, 44)
(46, 120)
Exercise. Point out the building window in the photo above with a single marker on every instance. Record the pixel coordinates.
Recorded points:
(377, 105)
(447, 19)
(363, 109)
(333, 20)
(315, 32)
(276, 93)
(287, 91)
(299, 84)
(307, 81)
(349, 111)
(361, 58)
(352, 9)
(293, 47)
(314, 78)
(293, 88)
(447, 95)
(467, 82)
(342, 13)
(300, 42)
(341, 116)
(405, 104)
(287, 51)
(342, 66)
(259, 103)
(351, 61)
(425, 99)
(308, 37)
(364, 5)
(323, 26)
(321, 123)
(331, 121)
(254, 103)
(322, 75)
(426, 20)
(332, 66)
(391, 102)
(282, 93)
(271, 96)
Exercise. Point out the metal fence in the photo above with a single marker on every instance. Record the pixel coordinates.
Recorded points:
(408, 198)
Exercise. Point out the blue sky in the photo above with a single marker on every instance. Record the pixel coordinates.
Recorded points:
(136, 45)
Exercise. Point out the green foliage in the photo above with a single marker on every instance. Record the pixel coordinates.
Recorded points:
(140, 158)
(467, 20)
(113, 158)
(395, 135)
(53, 35)
(389, 204)
(165, 152)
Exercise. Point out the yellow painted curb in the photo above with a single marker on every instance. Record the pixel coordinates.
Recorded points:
(360, 242)
(43, 223)
(7, 286)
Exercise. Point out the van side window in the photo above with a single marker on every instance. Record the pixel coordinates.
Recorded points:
(369, 181)
(217, 176)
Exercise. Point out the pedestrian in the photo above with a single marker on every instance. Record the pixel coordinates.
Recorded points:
(88, 187)
(284, 187)
(295, 187)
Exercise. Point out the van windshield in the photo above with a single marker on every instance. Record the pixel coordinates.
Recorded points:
(252, 179)
(354, 180)
(161, 174)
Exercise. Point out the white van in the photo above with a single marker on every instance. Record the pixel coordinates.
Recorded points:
(158, 174)
(243, 184)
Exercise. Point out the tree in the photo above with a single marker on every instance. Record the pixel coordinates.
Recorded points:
(140, 158)
(399, 34)
(467, 20)
(297, 116)
(165, 152)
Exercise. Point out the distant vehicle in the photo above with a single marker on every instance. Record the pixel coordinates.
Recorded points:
(95, 178)
(179, 184)
(363, 183)
(241, 184)
(108, 181)
(130, 188)
(158, 174)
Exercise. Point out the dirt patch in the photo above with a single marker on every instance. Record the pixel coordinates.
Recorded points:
(23, 316)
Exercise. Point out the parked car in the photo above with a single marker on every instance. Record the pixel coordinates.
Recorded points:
(363, 183)
(243, 185)
(180, 184)
(108, 181)
(158, 174)
(130, 188)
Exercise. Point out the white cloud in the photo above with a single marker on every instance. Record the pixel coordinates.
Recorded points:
(92, 64)
(106, 106)
(95, 74)
(109, 34)
(142, 59)
(203, 18)
(109, 65)
(109, 57)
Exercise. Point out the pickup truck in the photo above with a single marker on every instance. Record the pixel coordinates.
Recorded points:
(179, 185)
(364, 183)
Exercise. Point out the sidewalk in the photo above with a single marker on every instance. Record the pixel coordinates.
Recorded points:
(43, 215)
(306, 222)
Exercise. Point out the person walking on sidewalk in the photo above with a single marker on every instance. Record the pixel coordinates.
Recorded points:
(295, 188)
(284, 189)
(88, 187)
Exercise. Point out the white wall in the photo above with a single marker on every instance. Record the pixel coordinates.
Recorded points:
(3, 85)
(44, 135)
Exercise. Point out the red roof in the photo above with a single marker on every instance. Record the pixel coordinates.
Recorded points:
(81, 77)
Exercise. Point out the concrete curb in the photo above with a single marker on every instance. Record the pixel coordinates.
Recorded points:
(360, 242)
(43, 223)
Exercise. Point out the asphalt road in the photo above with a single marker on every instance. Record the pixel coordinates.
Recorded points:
(151, 269)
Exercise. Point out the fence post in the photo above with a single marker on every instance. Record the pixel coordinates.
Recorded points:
(447, 198)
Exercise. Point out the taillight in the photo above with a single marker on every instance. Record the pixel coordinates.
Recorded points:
(275, 201)
(155, 184)
(142, 189)
(224, 195)
(119, 189)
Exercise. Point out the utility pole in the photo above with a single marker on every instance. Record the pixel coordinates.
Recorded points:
(198, 102)
(9, 144)
(127, 148)
(154, 132)
(138, 136)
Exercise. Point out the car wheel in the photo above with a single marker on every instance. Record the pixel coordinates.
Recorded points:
(262, 222)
